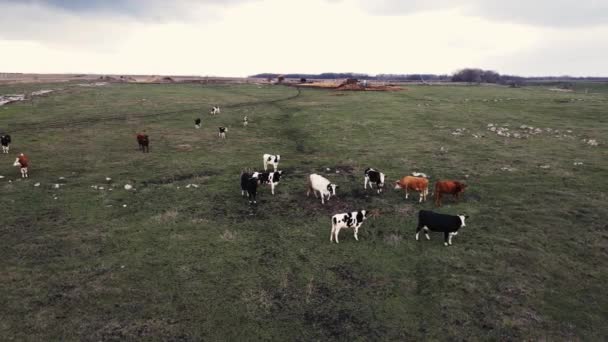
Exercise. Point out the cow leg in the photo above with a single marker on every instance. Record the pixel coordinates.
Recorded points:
(272, 188)
(406, 195)
(418, 231)
(333, 229)
(421, 195)
(356, 232)
(426, 233)
(450, 239)
(446, 238)
(322, 198)
(336, 234)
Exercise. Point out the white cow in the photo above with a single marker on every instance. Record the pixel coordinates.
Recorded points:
(347, 220)
(270, 159)
(322, 185)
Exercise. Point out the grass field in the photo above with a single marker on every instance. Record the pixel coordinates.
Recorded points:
(183, 263)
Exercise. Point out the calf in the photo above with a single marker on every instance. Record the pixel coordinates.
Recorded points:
(270, 159)
(23, 162)
(270, 178)
(373, 176)
(347, 220)
(453, 188)
(197, 123)
(144, 142)
(5, 141)
(448, 224)
(320, 184)
(419, 184)
(215, 110)
(222, 132)
(249, 185)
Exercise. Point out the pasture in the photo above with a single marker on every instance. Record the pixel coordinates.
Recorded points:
(170, 262)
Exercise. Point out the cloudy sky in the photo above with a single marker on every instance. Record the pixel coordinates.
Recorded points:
(244, 37)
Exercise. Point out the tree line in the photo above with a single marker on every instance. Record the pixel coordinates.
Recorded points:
(466, 75)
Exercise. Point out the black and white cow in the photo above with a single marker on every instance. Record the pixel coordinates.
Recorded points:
(222, 132)
(448, 224)
(373, 176)
(249, 186)
(5, 140)
(215, 110)
(271, 159)
(245, 121)
(197, 123)
(270, 178)
(347, 220)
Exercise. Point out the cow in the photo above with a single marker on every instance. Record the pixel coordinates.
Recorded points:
(270, 159)
(270, 178)
(5, 141)
(347, 220)
(197, 123)
(453, 188)
(419, 184)
(448, 224)
(245, 121)
(373, 176)
(23, 162)
(143, 141)
(249, 186)
(222, 132)
(215, 110)
(322, 185)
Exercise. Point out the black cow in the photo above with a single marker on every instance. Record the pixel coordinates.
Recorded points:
(448, 224)
(270, 178)
(5, 140)
(373, 176)
(249, 185)
(197, 123)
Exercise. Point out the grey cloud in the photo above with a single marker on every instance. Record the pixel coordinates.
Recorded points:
(553, 13)
(140, 9)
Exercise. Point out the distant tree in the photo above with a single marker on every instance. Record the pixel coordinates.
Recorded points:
(489, 76)
(469, 75)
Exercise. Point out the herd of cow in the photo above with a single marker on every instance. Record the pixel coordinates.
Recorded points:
(417, 182)
(427, 220)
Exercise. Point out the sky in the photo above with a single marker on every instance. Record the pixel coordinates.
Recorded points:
(243, 37)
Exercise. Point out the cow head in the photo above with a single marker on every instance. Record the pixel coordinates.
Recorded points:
(460, 186)
(397, 185)
(16, 163)
(278, 158)
(332, 188)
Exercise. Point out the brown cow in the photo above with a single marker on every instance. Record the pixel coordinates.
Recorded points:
(419, 184)
(143, 141)
(453, 188)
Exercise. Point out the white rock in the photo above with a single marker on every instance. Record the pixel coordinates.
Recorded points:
(108, 179)
(37, 184)
(128, 186)
(124, 205)
(101, 188)
(56, 186)
(1, 177)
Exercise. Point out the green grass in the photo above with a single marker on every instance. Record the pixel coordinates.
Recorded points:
(200, 263)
